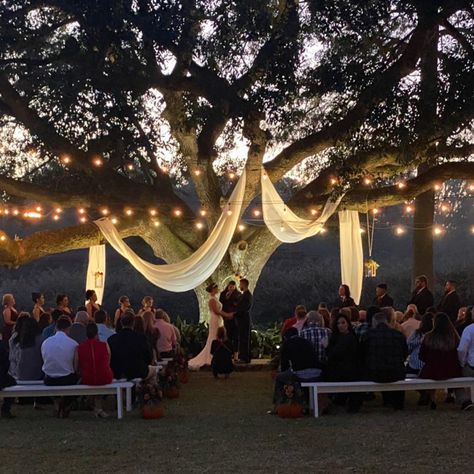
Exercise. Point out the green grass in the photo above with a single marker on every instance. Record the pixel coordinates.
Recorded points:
(222, 426)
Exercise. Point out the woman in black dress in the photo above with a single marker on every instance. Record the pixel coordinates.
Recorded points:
(229, 299)
(221, 351)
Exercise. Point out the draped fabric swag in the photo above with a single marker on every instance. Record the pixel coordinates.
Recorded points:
(196, 269)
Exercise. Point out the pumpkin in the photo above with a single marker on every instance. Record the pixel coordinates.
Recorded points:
(171, 392)
(290, 410)
(152, 412)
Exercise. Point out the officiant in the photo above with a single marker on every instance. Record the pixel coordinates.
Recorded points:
(242, 318)
(230, 299)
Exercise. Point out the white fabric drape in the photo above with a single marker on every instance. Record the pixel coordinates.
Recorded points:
(283, 223)
(95, 278)
(352, 257)
(194, 270)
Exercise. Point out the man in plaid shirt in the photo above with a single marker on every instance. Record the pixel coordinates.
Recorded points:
(315, 332)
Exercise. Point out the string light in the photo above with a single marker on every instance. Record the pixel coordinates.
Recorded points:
(323, 230)
(153, 212)
(472, 229)
(38, 209)
(130, 166)
(156, 223)
(471, 187)
(231, 175)
(178, 212)
(313, 212)
(83, 219)
(437, 230)
(65, 159)
(128, 212)
(199, 225)
(256, 212)
(165, 169)
(437, 187)
(333, 181)
(399, 230)
(375, 211)
(6, 212)
(401, 184)
(3, 237)
(58, 210)
(362, 231)
(241, 227)
(33, 215)
(367, 181)
(81, 210)
(203, 212)
(197, 172)
(229, 212)
(444, 207)
(104, 211)
(16, 212)
(97, 161)
(114, 220)
(409, 209)
(55, 217)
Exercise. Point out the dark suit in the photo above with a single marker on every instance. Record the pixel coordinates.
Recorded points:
(423, 300)
(130, 354)
(229, 305)
(345, 302)
(384, 301)
(450, 305)
(242, 317)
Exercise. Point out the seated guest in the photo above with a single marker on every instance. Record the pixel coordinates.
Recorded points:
(467, 321)
(222, 352)
(147, 305)
(318, 335)
(30, 362)
(450, 303)
(288, 323)
(62, 304)
(439, 353)
(14, 343)
(324, 312)
(385, 351)
(151, 332)
(91, 304)
(78, 329)
(124, 305)
(300, 320)
(130, 355)
(362, 316)
(38, 300)
(382, 298)
(9, 317)
(167, 340)
(176, 330)
(44, 321)
(344, 300)
(354, 318)
(364, 327)
(399, 317)
(105, 332)
(6, 380)
(390, 313)
(50, 330)
(60, 363)
(94, 364)
(138, 325)
(410, 324)
(466, 359)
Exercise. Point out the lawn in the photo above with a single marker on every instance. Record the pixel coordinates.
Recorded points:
(222, 426)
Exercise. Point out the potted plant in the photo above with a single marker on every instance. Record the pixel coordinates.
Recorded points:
(149, 396)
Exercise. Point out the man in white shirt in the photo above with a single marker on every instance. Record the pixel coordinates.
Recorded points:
(60, 362)
(466, 359)
(100, 317)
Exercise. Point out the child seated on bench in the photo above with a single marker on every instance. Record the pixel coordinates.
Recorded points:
(222, 352)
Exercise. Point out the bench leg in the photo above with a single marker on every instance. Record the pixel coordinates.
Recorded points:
(128, 398)
(311, 401)
(472, 393)
(315, 401)
(119, 404)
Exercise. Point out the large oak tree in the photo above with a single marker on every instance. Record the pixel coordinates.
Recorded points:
(168, 92)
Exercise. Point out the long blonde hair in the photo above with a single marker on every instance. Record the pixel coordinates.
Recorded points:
(8, 298)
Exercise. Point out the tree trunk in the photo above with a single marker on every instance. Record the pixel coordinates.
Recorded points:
(423, 235)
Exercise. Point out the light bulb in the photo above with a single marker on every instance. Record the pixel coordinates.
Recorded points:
(83, 219)
(256, 212)
(241, 227)
(231, 175)
(367, 181)
(104, 211)
(56, 217)
(38, 209)
(471, 187)
(197, 172)
(375, 211)
(156, 223)
(16, 212)
(97, 161)
(128, 212)
(203, 212)
(81, 210)
(399, 230)
(333, 181)
(313, 212)
(153, 212)
(6, 212)
(65, 159)
(401, 185)
(437, 230)
(323, 230)
(130, 167)
(437, 187)
(3, 238)
(114, 220)
(58, 210)
(199, 225)
(229, 212)
(177, 212)
(409, 209)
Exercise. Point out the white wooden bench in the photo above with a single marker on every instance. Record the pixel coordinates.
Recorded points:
(316, 388)
(38, 389)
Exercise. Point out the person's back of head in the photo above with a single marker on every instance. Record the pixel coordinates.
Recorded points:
(139, 325)
(379, 318)
(326, 316)
(390, 314)
(362, 315)
(89, 294)
(63, 324)
(371, 312)
(300, 307)
(301, 314)
(354, 314)
(244, 283)
(313, 317)
(322, 305)
(291, 332)
(92, 330)
(346, 312)
(100, 317)
(127, 319)
(81, 318)
(44, 320)
(443, 336)
(29, 330)
(161, 314)
(426, 324)
(56, 314)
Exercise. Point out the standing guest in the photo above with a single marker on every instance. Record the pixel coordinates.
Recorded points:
(62, 303)
(38, 300)
(466, 360)
(318, 335)
(130, 355)
(229, 299)
(151, 332)
(300, 320)
(343, 363)
(78, 329)
(344, 300)
(44, 321)
(94, 364)
(385, 351)
(382, 298)
(14, 343)
(410, 324)
(242, 317)
(450, 303)
(166, 344)
(147, 305)
(467, 321)
(421, 296)
(6, 380)
(439, 353)
(30, 361)
(124, 305)
(50, 330)
(9, 316)
(60, 363)
(222, 352)
(91, 304)
(104, 332)
(288, 323)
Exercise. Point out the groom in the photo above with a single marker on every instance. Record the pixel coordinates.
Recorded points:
(242, 317)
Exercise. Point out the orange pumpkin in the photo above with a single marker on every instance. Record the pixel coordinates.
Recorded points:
(290, 410)
(171, 392)
(184, 377)
(152, 412)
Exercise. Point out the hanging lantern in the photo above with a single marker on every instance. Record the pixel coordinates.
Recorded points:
(98, 279)
(370, 267)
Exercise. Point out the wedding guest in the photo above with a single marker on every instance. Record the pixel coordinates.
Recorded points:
(318, 335)
(138, 325)
(439, 353)
(124, 305)
(362, 329)
(94, 364)
(300, 320)
(288, 323)
(382, 298)
(78, 329)
(176, 330)
(38, 300)
(91, 304)
(467, 321)
(466, 360)
(222, 352)
(50, 330)
(151, 332)
(421, 296)
(230, 299)
(385, 351)
(6, 380)
(410, 325)
(414, 364)
(354, 318)
(44, 321)
(30, 361)
(14, 343)
(165, 347)
(9, 316)
(103, 331)
(62, 303)
(147, 305)
(450, 303)
(130, 355)
(390, 313)
(60, 363)
(242, 317)
(324, 312)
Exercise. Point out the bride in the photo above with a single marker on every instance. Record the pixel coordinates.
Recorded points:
(215, 308)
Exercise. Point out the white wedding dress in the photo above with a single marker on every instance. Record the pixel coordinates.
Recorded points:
(215, 321)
